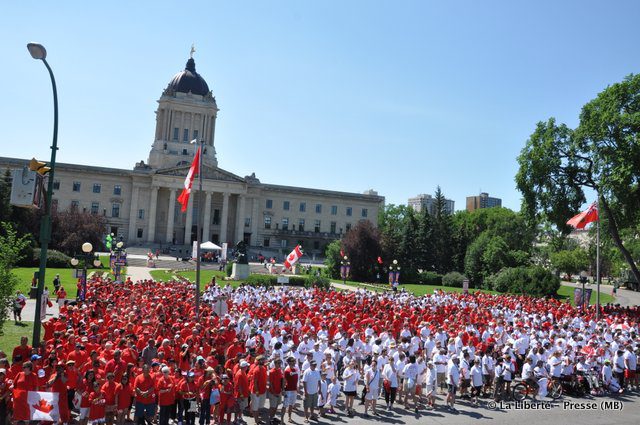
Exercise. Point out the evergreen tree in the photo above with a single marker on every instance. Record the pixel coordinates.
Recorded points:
(442, 235)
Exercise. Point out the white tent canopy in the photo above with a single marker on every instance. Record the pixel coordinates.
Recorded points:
(209, 245)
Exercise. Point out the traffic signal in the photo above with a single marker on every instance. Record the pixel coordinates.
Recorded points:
(39, 167)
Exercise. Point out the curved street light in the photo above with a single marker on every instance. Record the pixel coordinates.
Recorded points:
(38, 52)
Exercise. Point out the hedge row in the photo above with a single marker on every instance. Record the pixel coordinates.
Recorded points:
(268, 280)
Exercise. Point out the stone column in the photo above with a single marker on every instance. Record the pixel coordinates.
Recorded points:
(254, 223)
(224, 218)
(171, 215)
(240, 218)
(151, 231)
(189, 220)
(206, 226)
(133, 214)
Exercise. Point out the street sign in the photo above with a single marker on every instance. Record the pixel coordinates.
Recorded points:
(283, 279)
(465, 286)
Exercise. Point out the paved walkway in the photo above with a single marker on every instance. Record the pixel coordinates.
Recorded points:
(140, 273)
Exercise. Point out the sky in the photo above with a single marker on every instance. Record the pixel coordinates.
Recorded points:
(395, 96)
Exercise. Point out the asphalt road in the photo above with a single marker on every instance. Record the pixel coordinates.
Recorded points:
(585, 411)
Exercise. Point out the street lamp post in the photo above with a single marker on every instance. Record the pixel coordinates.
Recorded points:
(345, 269)
(117, 254)
(394, 274)
(86, 256)
(38, 52)
(583, 280)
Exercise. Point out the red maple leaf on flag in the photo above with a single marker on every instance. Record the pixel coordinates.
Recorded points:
(43, 406)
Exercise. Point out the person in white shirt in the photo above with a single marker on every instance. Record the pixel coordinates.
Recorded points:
(488, 370)
(372, 382)
(476, 380)
(311, 382)
(410, 373)
(630, 365)
(440, 361)
(389, 384)
(350, 377)
(430, 388)
(453, 381)
(333, 393)
(528, 375)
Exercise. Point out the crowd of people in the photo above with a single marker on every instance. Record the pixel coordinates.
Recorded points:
(136, 351)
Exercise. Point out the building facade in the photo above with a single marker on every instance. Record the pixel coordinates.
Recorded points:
(140, 204)
(427, 202)
(482, 201)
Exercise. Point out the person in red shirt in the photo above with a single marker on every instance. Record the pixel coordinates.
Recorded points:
(58, 384)
(188, 391)
(205, 383)
(227, 400)
(85, 388)
(97, 405)
(125, 400)
(241, 385)
(23, 350)
(291, 376)
(258, 387)
(116, 365)
(110, 390)
(275, 388)
(166, 390)
(25, 381)
(144, 388)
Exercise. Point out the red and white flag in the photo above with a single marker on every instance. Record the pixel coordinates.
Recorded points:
(35, 406)
(293, 257)
(585, 217)
(188, 181)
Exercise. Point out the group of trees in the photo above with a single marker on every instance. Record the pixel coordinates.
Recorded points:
(558, 168)
(600, 158)
(478, 244)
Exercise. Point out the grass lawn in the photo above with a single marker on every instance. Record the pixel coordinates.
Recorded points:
(12, 333)
(567, 292)
(418, 290)
(25, 274)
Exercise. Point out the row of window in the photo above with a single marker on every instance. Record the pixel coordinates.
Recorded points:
(266, 242)
(185, 134)
(97, 187)
(302, 207)
(317, 225)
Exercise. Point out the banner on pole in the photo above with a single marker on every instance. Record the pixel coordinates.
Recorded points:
(223, 253)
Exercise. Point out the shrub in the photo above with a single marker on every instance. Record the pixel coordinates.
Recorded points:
(297, 281)
(54, 258)
(228, 269)
(429, 278)
(261, 280)
(453, 279)
(535, 281)
(319, 282)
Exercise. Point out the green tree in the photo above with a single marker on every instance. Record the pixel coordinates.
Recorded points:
(391, 223)
(442, 234)
(362, 245)
(11, 248)
(424, 242)
(570, 262)
(332, 258)
(558, 164)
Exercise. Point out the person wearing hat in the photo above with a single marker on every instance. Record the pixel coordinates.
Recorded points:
(290, 375)
(258, 387)
(275, 387)
(311, 384)
(241, 387)
(188, 392)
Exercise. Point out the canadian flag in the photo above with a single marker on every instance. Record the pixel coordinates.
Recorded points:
(585, 217)
(35, 406)
(293, 257)
(188, 181)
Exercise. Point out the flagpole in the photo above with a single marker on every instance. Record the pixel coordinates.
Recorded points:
(598, 261)
(198, 229)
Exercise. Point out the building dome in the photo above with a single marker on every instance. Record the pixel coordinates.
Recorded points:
(189, 81)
